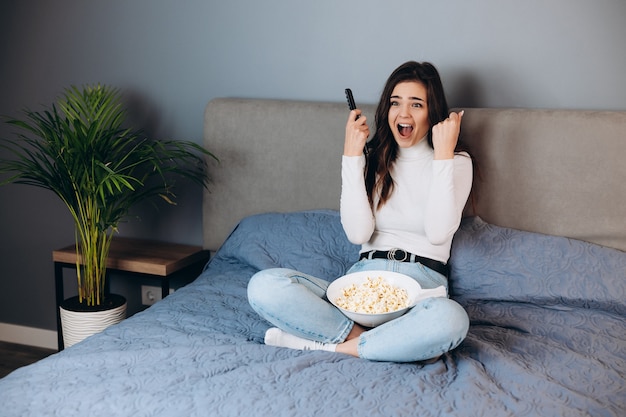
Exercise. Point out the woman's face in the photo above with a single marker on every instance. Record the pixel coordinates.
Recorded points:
(408, 113)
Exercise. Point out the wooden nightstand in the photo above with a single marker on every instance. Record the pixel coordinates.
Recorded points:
(135, 256)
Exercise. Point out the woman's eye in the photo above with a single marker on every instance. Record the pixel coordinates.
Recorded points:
(418, 105)
(394, 103)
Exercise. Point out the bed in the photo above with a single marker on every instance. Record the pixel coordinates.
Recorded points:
(539, 263)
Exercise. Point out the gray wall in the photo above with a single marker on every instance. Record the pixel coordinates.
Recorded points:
(172, 57)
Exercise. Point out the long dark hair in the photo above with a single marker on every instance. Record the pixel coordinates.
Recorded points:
(383, 149)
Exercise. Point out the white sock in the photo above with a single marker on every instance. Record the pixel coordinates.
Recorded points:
(276, 337)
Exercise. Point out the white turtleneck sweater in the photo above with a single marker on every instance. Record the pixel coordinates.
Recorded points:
(424, 210)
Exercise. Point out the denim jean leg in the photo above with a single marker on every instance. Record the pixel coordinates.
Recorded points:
(294, 302)
(431, 328)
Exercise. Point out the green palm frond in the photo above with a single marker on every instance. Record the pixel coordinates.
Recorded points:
(79, 149)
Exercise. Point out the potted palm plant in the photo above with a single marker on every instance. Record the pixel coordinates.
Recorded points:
(79, 149)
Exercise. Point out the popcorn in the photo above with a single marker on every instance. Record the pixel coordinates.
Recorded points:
(374, 296)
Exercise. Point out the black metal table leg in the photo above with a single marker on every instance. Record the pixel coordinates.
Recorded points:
(165, 287)
(58, 282)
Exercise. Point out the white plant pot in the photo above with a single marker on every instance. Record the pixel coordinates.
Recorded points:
(78, 325)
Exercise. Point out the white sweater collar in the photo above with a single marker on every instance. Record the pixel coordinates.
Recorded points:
(418, 151)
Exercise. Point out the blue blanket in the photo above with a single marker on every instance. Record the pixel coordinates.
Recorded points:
(547, 338)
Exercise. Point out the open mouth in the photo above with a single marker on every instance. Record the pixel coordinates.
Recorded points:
(405, 130)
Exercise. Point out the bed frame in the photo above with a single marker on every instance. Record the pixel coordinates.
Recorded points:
(558, 172)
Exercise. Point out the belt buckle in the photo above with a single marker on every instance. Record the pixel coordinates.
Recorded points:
(391, 255)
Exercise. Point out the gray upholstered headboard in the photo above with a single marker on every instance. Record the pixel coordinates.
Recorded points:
(558, 172)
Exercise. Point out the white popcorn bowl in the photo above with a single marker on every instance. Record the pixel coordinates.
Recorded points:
(414, 291)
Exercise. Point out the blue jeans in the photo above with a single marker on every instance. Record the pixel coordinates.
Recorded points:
(295, 302)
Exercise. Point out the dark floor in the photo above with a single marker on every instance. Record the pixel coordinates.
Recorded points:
(14, 356)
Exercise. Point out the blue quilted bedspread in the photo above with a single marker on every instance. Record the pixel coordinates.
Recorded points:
(547, 338)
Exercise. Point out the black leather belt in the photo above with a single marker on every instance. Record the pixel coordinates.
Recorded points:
(404, 256)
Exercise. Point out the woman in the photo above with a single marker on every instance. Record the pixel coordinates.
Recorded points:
(402, 202)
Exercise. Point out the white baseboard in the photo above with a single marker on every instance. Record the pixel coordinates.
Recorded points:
(30, 336)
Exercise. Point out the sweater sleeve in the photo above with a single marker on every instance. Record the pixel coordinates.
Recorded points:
(452, 182)
(357, 218)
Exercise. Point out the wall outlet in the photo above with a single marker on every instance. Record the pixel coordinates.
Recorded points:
(150, 295)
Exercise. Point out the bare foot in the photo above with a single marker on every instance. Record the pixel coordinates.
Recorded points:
(350, 346)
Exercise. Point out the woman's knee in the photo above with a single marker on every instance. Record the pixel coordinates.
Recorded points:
(450, 314)
(265, 283)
